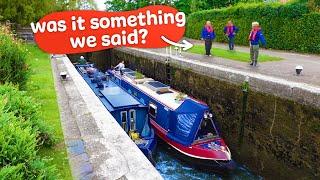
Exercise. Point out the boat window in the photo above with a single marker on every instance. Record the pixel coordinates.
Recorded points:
(207, 130)
(152, 110)
(132, 119)
(123, 116)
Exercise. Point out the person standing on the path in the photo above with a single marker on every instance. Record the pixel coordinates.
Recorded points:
(255, 37)
(208, 35)
(230, 31)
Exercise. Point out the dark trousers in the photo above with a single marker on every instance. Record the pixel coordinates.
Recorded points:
(254, 54)
(208, 44)
(231, 43)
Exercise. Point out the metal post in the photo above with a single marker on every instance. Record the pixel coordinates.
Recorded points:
(245, 91)
(177, 50)
(168, 71)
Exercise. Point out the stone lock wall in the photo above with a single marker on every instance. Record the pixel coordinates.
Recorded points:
(281, 137)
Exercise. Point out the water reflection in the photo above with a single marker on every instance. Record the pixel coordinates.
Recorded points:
(173, 169)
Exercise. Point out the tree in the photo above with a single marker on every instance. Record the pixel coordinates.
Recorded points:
(197, 5)
(186, 6)
(183, 5)
(17, 11)
(115, 5)
(25, 11)
(314, 5)
(125, 5)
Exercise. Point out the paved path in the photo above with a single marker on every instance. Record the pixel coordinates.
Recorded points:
(284, 69)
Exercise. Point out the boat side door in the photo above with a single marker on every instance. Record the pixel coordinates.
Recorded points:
(132, 119)
(124, 120)
(128, 120)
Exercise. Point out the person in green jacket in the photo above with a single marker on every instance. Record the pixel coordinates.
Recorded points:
(82, 61)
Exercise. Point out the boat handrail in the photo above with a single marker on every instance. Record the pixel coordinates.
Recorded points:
(142, 81)
(205, 140)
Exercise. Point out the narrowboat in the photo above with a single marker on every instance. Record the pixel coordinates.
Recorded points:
(183, 122)
(131, 114)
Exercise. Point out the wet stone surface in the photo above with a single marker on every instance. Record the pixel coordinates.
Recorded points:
(76, 147)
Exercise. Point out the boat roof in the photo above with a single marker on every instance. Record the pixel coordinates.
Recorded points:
(114, 96)
(117, 97)
(168, 98)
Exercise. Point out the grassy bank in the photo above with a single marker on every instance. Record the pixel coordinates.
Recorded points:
(233, 55)
(40, 86)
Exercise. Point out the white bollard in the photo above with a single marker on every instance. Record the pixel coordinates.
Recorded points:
(299, 70)
(177, 49)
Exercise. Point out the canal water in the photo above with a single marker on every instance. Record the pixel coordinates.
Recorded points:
(172, 168)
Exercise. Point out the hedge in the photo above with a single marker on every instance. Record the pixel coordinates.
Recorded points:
(18, 148)
(27, 110)
(34, 170)
(288, 26)
(17, 144)
(13, 57)
(12, 172)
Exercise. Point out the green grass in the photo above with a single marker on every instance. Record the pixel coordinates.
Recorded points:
(40, 86)
(233, 55)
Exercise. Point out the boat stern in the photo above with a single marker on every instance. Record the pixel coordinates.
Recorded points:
(216, 155)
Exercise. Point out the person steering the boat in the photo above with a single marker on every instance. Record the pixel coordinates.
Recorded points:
(119, 67)
(82, 61)
(207, 129)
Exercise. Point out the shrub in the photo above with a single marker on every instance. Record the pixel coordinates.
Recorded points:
(288, 26)
(17, 144)
(13, 57)
(39, 169)
(12, 172)
(18, 153)
(25, 107)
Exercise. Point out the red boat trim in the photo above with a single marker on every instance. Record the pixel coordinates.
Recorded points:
(197, 100)
(162, 134)
(204, 141)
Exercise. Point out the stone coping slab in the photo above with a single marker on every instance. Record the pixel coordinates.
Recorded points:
(296, 91)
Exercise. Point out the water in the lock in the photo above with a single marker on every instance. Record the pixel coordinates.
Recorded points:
(172, 168)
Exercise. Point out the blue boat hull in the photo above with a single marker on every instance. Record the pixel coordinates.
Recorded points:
(149, 148)
(149, 142)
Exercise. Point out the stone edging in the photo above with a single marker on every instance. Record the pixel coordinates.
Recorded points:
(101, 150)
(299, 92)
